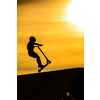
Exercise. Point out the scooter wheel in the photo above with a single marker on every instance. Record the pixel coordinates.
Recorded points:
(39, 70)
(49, 61)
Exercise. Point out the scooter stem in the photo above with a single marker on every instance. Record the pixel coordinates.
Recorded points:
(44, 54)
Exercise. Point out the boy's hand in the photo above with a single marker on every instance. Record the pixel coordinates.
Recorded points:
(40, 45)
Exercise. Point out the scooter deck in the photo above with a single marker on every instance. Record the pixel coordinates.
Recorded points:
(39, 70)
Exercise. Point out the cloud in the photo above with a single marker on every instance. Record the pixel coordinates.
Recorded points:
(37, 1)
(28, 1)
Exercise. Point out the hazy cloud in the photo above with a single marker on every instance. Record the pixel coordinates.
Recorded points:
(29, 1)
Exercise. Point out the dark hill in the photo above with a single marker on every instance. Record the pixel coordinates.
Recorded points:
(51, 85)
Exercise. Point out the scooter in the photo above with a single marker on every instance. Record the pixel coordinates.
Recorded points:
(48, 61)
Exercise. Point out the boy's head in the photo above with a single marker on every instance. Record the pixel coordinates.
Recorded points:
(32, 38)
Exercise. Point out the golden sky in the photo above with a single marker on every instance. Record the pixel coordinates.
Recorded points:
(58, 25)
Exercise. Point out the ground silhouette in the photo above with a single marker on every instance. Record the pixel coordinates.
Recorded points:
(51, 85)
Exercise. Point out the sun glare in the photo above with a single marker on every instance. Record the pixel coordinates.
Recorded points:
(74, 13)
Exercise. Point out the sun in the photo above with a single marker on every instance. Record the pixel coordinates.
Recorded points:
(74, 13)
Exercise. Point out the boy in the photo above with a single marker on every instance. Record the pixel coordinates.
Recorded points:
(30, 47)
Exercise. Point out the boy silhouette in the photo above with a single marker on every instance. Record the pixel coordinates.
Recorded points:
(30, 47)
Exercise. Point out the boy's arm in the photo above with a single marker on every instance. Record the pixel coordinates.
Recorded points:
(38, 44)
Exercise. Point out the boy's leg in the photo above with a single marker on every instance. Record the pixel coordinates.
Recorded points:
(39, 61)
(35, 55)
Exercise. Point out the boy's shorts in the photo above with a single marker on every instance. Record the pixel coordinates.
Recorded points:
(34, 55)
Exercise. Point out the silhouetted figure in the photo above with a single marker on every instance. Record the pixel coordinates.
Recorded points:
(30, 47)
(64, 97)
(67, 96)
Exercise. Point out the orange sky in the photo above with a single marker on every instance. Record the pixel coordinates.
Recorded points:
(63, 41)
